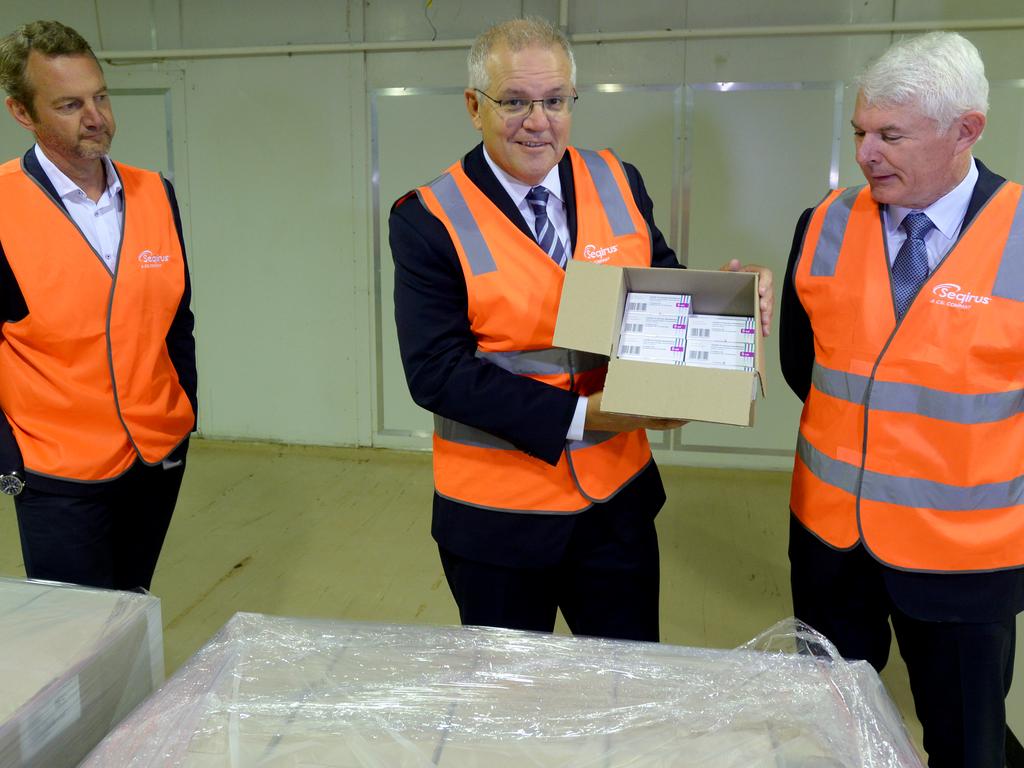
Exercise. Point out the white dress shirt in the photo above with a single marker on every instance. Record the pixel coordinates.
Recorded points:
(517, 190)
(101, 221)
(947, 214)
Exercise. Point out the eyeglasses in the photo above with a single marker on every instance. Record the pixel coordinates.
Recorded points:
(515, 107)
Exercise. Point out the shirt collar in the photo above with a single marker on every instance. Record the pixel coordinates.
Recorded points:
(947, 213)
(65, 186)
(517, 190)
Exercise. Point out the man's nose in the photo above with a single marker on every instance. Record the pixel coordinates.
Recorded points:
(91, 114)
(867, 150)
(536, 119)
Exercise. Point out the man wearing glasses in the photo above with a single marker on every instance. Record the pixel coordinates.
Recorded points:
(542, 502)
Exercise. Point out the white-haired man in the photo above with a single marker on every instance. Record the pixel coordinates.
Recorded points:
(542, 502)
(903, 331)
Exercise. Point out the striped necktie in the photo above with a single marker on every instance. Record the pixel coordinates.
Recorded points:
(546, 236)
(910, 268)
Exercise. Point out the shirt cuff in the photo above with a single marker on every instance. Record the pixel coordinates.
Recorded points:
(579, 419)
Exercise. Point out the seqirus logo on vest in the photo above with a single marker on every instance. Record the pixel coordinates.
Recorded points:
(150, 260)
(599, 255)
(952, 295)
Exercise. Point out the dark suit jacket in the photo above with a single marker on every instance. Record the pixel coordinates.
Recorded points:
(935, 597)
(438, 353)
(181, 345)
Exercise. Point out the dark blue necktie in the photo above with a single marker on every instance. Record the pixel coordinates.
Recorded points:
(910, 269)
(546, 236)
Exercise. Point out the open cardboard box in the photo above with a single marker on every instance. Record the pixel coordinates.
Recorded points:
(590, 316)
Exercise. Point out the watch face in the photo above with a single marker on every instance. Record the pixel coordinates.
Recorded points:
(12, 485)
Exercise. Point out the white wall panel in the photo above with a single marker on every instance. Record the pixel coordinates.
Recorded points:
(268, 22)
(928, 10)
(1002, 145)
(638, 63)
(277, 195)
(126, 25)
(715, 13)
(781, 59)
(444, 19)
(626, 17)
(81, 16)
(417, 69)
(401, 165)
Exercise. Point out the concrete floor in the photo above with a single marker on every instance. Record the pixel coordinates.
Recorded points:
(345, 534)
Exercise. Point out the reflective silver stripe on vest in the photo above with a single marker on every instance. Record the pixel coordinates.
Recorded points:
(840, 474)
(463, 434)
(911, 492)
(457, 432)
(1010, 278)
(833, 229)
(952, 407)
(544, 362)
(609, 193)
(842, 386)
(454, 204)
(590, 439)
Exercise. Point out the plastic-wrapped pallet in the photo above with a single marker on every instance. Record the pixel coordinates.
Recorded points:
(301, 693)
(73, 663)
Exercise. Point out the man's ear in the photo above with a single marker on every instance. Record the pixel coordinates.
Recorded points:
(20, 113)
(969, 129)
(473, 107)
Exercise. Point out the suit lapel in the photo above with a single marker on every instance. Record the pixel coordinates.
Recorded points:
(986, 186)
(569, 193)
(480, 173)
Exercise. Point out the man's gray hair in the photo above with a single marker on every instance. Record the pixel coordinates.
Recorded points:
(517, 34)
(941, 73)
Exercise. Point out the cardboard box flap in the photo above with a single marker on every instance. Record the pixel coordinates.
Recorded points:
(587, 286)
(703, 394)
(760, 359)
(714, 293)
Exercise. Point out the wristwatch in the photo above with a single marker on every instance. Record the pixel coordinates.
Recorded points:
(12, 483)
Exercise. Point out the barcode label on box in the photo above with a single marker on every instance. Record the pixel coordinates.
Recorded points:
(725, 329)
(634, 328)
(719, 354)
(638, 306)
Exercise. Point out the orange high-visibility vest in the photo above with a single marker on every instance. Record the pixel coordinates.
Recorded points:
(86, 381)
(912, 435)
(514, 288)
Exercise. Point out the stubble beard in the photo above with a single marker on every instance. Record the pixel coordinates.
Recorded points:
(92, 148)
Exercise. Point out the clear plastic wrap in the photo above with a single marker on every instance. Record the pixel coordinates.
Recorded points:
(73, 663)
(277, 692)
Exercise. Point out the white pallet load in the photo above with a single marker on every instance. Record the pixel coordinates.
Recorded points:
(315, 693)
(73, 663)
